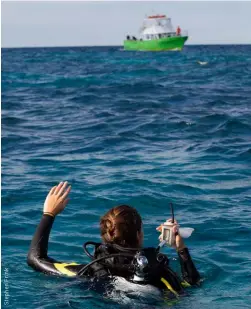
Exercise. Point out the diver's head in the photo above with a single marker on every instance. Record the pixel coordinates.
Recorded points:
(122, 225)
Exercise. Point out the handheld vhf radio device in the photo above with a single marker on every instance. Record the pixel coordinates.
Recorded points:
(167, 236)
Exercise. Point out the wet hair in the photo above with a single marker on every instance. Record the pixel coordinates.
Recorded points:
(121, 225)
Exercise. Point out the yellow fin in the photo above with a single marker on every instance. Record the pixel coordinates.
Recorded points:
(185, 284)
(168, 285)
(63, 270)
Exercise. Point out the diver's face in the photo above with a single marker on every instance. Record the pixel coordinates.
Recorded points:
(141, 237)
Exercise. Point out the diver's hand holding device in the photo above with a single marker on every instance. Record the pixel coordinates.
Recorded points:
(167, 236)
(170, 229)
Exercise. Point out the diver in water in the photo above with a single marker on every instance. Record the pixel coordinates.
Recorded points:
(120, 254)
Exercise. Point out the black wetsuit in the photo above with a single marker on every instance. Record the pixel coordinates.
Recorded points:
(163, 276)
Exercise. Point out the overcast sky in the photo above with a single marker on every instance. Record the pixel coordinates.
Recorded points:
(106, 23)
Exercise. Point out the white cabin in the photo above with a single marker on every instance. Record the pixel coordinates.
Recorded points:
(157, 27)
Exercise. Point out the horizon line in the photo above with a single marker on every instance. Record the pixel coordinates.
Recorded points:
(65, 46)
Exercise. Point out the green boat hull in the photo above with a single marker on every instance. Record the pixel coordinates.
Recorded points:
(171, 43)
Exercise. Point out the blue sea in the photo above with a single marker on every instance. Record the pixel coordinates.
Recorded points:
(140, 128)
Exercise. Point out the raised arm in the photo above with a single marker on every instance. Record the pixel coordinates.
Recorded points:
(37, 258)
(189, 272)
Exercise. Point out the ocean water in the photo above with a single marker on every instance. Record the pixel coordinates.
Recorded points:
(128, 127)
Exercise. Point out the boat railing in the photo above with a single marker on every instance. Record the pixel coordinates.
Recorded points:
(173, 34)
(158, 36)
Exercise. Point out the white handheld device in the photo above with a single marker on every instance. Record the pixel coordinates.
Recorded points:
(167, 236)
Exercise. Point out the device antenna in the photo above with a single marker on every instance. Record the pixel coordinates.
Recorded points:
(172, 211)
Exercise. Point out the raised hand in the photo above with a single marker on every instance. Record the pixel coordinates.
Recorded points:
(57, 199)
(179, 243)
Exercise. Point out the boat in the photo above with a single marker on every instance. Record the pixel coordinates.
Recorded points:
(157, 34)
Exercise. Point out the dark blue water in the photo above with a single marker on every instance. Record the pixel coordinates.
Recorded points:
(128, 127)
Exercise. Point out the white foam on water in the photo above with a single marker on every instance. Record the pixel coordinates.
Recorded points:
(125, 292)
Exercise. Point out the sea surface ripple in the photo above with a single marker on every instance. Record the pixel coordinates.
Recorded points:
(128, 127)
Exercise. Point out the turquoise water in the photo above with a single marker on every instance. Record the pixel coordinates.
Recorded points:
(128, 127)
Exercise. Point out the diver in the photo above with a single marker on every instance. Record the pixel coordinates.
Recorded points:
(120, 253)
